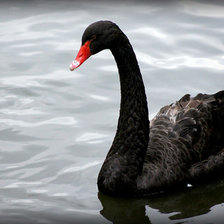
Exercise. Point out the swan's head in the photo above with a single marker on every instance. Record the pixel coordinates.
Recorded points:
(97, 37)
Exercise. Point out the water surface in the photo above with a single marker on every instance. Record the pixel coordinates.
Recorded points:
(56, 126)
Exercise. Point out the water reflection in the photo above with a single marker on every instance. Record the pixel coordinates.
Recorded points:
(180, 207)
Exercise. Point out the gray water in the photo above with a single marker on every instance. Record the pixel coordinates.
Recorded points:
(56, 126)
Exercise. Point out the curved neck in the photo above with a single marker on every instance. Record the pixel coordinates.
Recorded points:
(133, 120)
(126, 156)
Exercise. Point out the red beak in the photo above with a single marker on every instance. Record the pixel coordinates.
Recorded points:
(84, 53)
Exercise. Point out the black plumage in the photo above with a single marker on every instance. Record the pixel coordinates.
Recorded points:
(183, 144)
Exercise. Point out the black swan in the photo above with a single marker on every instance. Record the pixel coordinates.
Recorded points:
(183, 144)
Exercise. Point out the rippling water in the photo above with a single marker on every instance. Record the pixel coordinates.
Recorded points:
(56, 126)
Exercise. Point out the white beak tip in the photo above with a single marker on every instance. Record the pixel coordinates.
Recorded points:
(75, 64)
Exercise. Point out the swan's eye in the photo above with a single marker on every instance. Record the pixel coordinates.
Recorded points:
(93, 37)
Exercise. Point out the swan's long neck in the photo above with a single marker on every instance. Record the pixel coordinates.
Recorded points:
(126, 156)
(133, 126)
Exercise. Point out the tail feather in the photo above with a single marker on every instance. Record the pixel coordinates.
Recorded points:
(212, 167)
(220, 97)
(218, 117)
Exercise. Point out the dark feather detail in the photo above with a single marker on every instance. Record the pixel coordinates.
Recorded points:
(212, 167)
(186, 142)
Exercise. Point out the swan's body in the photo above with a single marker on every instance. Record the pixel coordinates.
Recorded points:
(183, 144)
